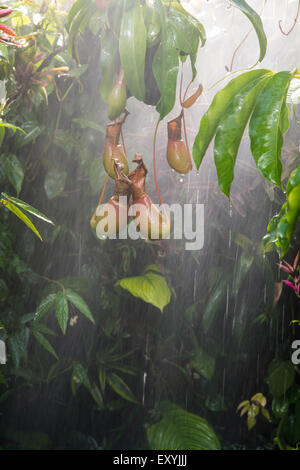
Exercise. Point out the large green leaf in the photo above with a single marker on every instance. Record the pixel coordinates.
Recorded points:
(26, 207)
(257, 24)
(120, 387)
(132, 46)
(281, 375)
(218, 109)
(151, 287)
(265, 127)
(203, 363)
(231, 128)
(14, 171)
(181, 430)
(62, 311)
(80, 304)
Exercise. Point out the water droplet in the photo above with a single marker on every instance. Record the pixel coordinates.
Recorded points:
(181, 180)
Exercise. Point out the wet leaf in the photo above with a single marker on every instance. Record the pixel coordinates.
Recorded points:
(108, 62)
(26, 207)
(132, 45)
(55, 181)
(264, 127)
(120, 387)
(231, 129)
(203, 363)
(62, 311)
(44, 306)
(14, 171)
(213, 304)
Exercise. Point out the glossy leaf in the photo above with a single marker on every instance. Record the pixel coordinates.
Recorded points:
(151, 287)
(44, 342)
(257, 24)
(14, 171)
(265, 130)
(241, 270)
(165, 66)
(203, 363)
(213, 304)
(132, 45)
(26, 207)
(62, 311)
(80, 304)
(218, 109)
(231, 129)
(120, 387)
(281, 227)
(181, 430)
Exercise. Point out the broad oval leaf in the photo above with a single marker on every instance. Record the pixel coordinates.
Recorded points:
(257, 24)
(265, 127)
(132, 46)
(181, 430)
(217, 111)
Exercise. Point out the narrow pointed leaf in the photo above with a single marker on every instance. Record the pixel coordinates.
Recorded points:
(120, 387)
(231, 129)
(26, 207)
(62, 311)
(265, 127)
(181, 430)
(133, 39)
(257, 24)
(217, 110)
